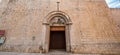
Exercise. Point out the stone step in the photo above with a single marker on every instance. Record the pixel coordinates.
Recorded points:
(50, 53)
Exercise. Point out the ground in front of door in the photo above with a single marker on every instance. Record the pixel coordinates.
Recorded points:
(52, 52)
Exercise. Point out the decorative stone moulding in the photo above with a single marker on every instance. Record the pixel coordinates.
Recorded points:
(55, 14)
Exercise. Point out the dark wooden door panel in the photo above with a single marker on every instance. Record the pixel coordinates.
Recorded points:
(57, 40)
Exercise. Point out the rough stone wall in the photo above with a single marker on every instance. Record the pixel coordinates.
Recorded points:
(95, 26)
(114, 13)
(22, 21)
(98, 31)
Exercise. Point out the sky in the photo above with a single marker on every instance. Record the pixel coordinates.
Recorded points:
(0, 1)
(113, 3)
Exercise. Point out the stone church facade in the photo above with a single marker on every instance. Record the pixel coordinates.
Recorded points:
(87, 26)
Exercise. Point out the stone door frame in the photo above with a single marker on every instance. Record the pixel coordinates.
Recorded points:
(47, 25)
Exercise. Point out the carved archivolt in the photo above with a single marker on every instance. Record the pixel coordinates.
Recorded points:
(57, 17)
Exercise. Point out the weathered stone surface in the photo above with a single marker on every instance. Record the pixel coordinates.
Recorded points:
(95, 28)
(51, 53)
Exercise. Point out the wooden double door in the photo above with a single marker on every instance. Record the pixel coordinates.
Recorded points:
(57, 38)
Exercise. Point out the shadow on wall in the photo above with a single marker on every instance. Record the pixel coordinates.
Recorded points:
(118, 25)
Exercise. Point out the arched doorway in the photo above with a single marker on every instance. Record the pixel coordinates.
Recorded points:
(57, 26)
(57, 33)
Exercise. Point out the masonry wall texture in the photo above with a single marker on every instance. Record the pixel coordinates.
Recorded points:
(95, 27)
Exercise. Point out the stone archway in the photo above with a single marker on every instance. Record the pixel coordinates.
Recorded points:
(56, 18)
